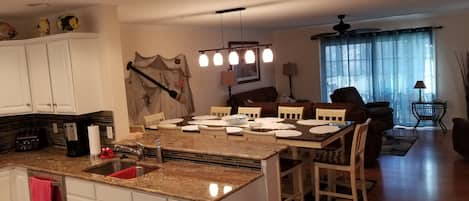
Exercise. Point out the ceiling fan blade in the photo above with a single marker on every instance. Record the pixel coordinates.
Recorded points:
(319, 36)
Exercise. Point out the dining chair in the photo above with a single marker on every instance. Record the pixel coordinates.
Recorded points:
(169, 129)
(214, 132)
(287, 166)
(295, 113)
(354, 162)
(220, 111)
(137, 129)
(251, 112)
(332, 115)
(154, 119)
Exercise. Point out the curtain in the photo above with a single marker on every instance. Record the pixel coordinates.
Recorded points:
(383, 68)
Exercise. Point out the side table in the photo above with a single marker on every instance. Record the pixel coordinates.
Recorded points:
(426, 111)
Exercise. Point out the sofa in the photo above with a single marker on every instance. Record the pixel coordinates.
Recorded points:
(266, 98)
(461, 136)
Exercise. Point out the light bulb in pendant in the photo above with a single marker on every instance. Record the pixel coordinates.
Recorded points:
(217, 59)
(203, 60)
(233, 58)
(249, 57)
(267, 55)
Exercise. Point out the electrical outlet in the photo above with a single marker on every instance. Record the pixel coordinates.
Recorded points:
(109, 133)
(55, 129)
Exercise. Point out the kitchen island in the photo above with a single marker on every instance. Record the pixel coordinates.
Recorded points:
(173, 180)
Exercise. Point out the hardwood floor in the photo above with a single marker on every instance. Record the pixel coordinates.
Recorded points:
(430, 171)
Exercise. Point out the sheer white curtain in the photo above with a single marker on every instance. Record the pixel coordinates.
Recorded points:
(384, 67)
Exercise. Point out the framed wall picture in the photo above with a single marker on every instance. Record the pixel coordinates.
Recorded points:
(246, 72)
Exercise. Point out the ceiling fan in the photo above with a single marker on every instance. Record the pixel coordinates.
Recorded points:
(342, 29)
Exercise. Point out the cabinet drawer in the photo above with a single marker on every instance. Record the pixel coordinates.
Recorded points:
(112, 193)
(77, 198)
(137, 196)
(80, 188)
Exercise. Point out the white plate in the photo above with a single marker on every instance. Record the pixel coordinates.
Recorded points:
(172, 121)
(276, 126)
(154, 127)
(324, 129)
(167, 125)
(268, 119)
(312, 122)
(191, 128)
(287, 133)
(233, 130)
(204, 117)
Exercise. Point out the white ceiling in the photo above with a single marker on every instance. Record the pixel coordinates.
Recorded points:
(269, 14)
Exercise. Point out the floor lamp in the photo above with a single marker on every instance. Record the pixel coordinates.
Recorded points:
(290, 70)
(228, 79)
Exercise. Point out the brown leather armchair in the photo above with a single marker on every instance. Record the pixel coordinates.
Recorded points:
(379, 112)
(461, 136)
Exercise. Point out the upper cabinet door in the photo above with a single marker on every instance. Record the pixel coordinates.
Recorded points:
(40, 77)
(61, 76)
(14, 81)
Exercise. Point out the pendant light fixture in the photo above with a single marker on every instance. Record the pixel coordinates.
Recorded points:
(267, 55)
(233, 57)
(203, 60)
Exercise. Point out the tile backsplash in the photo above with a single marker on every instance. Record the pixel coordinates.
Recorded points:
(11, 125)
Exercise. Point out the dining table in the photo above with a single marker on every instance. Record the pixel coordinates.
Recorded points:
(305, 140)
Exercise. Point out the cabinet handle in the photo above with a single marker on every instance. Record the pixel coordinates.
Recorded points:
(55, 104)
(48, 104)
(28, 104)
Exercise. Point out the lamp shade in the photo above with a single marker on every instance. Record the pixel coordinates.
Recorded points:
(203, 60)
(419, 85)
(290, 69)
(249, 57)
(228, 78)
(233, 58)
(217, 59)
(267, 55)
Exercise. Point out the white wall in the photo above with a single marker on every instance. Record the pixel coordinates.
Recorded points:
(294, 45)
(169, 41)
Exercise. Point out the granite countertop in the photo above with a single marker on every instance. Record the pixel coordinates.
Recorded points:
(193, 143)
(177, 179)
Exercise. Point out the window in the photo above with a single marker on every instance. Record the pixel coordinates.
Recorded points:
(382, 68)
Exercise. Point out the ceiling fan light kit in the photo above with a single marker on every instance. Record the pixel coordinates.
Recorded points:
(233, 57)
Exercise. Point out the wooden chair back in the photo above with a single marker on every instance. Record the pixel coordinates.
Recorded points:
(295, 113)
(251, 112)
(220, 111)
(333, 115)
(264, 137)
(169, 129)
(154, 119)
(358, 143)
(137, 129)
(214, 132)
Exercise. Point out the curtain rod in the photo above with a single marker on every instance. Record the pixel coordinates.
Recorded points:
(404, 30)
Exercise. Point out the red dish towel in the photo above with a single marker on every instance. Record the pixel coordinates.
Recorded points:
(43, 190)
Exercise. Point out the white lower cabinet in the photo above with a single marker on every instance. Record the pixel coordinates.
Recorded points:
(20, 185)
(111, 193)
(77, 198)
(146, 197)
(5, 186)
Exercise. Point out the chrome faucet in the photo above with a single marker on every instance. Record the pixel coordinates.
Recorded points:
(159, 154)
(139, 151)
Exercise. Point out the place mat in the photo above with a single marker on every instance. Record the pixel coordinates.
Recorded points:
(312, 122)
(273, 126)
(215, 123)
(268, 119)
(172, 121)
(324, 129)
(204, 117)
(287, 133)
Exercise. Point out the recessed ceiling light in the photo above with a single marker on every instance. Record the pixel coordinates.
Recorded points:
(38, 5)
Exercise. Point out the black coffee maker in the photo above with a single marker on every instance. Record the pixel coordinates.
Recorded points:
(76, 136)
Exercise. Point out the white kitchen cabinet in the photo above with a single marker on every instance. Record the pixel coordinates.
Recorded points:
(39, 75)
(112, 193)
(137, 196)
(5, 186)
(77, 198)
(14, 81)
(20, 184)
(80, 188)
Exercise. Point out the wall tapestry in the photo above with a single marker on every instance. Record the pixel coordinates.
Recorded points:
(145, 97)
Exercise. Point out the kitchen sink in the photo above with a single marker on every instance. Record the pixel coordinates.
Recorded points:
(121, 169)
